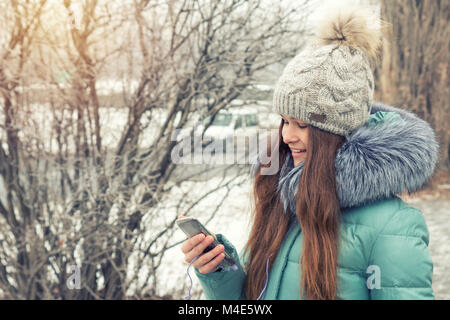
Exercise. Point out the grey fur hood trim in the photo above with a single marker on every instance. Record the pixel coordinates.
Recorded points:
(376, 161)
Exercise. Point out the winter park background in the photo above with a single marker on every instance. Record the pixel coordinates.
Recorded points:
(97, 96)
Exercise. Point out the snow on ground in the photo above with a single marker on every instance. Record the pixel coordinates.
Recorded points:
(39, 120)
(110, 86)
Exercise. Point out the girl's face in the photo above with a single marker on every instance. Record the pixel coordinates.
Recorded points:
(295, 135)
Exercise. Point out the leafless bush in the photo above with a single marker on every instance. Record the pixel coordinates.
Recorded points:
(86, 176)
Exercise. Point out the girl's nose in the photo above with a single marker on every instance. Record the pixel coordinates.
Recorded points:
(289, 135)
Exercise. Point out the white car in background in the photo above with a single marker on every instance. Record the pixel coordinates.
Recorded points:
(228, 123)
(234, 126)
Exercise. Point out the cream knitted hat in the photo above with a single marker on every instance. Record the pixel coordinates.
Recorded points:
(330, 83)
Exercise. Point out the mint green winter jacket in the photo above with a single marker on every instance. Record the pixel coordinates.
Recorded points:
(383, 251)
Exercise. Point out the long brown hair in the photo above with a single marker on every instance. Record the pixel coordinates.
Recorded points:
(318, 213)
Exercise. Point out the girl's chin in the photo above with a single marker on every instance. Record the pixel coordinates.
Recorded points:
(298, 161)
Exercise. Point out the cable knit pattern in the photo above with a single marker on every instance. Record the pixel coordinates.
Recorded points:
(330, 81)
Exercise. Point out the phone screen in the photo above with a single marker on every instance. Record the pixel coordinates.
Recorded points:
(192, 227)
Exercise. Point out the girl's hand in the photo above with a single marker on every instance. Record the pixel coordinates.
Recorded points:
(206, 262)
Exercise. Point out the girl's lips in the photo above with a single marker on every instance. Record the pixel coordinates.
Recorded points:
(298, 154)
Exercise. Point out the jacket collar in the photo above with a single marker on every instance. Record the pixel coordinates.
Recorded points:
(393, 152)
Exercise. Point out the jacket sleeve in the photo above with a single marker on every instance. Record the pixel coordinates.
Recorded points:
(402, 259)
(225, 284)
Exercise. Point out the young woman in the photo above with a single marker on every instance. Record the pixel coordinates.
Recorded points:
(328, 224)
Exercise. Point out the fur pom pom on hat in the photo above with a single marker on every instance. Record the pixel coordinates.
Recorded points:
(351, 28)
(330, 84)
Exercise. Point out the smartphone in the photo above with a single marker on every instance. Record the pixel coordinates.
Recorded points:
(192, 227)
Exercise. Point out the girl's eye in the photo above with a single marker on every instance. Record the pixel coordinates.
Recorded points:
(298, 125)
